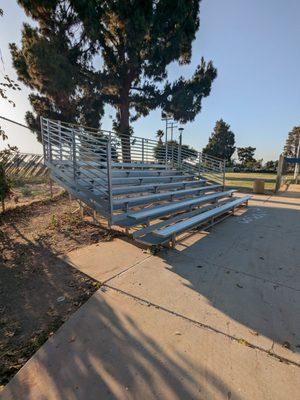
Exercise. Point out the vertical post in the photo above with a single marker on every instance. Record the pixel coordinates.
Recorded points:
(199, 164)
(109, 185)
(172, 144)
(279, 172)
(296, 171)
(49, 155)
(74, 156)
(224, 169)
(59, 140)
(143, 150)
(166, 142)
(43, 139)
(180, 149)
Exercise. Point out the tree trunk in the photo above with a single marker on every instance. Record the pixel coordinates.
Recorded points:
(125, 128)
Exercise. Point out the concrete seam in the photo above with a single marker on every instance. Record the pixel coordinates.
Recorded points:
(205, 326)
(127, 269)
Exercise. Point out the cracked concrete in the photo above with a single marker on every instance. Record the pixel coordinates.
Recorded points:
(216, 318)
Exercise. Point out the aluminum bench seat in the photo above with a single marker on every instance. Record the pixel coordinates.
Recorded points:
(138, 165)
(124, 203)
(92, 175)
(152, 240)
(115, 165)
(199, 219)
(140, 172)
(120, 173)
(149, 179)
(84, 163)
(91, 179)
(177, 206)
(155, 187)
(143, 172)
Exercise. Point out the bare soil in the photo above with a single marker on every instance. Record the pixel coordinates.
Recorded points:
(31, 190)
(38, 290)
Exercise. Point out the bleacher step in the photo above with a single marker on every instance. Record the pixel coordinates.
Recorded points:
(186, 222)
(135, 201)
(167, 209)
(198, 219)
(149, 179)
(156, 187)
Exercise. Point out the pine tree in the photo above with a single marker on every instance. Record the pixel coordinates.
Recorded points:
(187, 152)
(246, 155)
(221, 142)
(55, 60)
(291, 145)
(138, 40)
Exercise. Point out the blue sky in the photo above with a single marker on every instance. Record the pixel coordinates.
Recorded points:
(255, 46)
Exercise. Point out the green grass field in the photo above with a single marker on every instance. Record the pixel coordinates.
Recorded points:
(243, 181)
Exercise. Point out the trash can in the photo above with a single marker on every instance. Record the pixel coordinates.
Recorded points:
(259, 186)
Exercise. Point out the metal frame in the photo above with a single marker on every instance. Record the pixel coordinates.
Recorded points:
(142, 150)
(89, 164)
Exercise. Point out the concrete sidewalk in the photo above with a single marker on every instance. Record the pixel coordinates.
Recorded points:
(216, 318)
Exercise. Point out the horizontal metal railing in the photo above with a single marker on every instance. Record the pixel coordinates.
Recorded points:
(78, 158)
(138, 149)
(87, 157)
(24, 165)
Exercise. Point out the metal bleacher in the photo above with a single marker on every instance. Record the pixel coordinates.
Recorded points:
(154, 190)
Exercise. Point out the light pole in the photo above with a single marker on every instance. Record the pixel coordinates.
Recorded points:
(180, 146)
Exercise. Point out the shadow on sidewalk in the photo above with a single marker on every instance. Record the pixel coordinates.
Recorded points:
(112, 358)
(247, 268)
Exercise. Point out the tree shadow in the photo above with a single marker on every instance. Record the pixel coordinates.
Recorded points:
(104, 353)
(38, 293)
(247, 270)
(111, 357)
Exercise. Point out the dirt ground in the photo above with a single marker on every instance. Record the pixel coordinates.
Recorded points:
(38, 290)
(30, 190)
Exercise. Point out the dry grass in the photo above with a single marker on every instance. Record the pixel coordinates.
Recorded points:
(243, 181)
